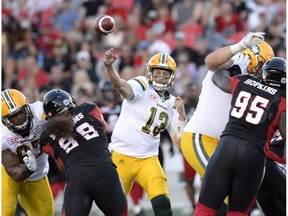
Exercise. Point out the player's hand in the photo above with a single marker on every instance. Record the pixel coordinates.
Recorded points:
(109, 57)
(242, 61)
(30, 161)
(179, 106)
(252, 39)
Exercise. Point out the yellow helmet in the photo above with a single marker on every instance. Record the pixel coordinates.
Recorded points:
(16, 113)
(161, 61)
(258, 55)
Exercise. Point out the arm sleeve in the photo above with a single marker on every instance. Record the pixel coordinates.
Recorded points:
(139, 85)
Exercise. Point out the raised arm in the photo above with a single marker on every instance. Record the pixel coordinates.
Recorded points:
(221, 58)
(121, 85)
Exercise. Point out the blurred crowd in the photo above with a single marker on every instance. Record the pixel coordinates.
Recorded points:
(52, 44)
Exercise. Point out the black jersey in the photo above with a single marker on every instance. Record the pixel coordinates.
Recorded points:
(255, 109)
(89, 146)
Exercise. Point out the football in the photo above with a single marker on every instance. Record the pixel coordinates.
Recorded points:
(104, 24)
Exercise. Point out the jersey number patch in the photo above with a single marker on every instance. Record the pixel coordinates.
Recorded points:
(85, 130)
(255, 107)
(163, 116)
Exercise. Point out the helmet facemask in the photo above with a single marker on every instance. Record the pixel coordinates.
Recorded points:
(16, 113)
(161, 86)
(274, 73)
(20, 121)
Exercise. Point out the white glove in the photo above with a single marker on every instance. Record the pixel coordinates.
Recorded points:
(242, 61)
(30, 161)
(251, 39)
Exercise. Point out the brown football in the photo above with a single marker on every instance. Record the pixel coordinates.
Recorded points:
(104, 24)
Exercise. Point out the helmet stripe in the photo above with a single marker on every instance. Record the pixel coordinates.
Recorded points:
(8, 100)
(163, 58)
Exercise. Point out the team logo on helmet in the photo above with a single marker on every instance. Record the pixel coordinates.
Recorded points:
(255, 50)
(66, 102)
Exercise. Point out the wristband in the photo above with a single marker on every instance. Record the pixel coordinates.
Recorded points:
(180, 128)
(235, 48)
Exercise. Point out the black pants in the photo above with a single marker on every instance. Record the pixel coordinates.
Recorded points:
(272, 193)
(235, 169)
(100, 184)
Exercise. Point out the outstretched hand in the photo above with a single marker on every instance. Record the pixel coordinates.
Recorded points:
(109, 57)
(252, 39)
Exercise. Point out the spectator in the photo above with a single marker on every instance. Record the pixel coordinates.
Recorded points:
(134, 24)
(19, 41)
(126, 57)
(83, 60)
(89, 46)
(186, 12)
(201, 50)
(82, 81)
(156, 44)
(110, 106)
(228, 22)
(68, 22)
(32, 71)
(127, 73)
(48, 38)
(163, 24)
(58, 56)
(187, 73)
(259, 14)
(90, 7)
(181, 46)
(58, 80)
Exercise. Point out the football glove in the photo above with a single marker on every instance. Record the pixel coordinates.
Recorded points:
(241, 60)
(30, 161)
(251, 39)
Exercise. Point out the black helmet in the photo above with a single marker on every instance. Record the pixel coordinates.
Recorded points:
(274, 72)
(57, 101)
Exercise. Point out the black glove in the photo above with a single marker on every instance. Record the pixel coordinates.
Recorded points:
(234, 70)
